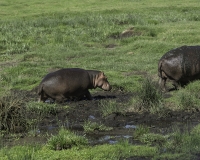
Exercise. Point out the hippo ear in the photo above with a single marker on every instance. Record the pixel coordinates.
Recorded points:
(101, 75)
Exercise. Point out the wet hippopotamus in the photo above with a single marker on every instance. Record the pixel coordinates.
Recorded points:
(180, 65)
(71, 83)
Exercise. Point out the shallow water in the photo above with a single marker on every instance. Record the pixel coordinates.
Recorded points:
(130, 126)
(108, 139)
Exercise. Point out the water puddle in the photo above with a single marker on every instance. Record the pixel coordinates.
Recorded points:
(101, 137)
(112, 137)
(109, 139)
(130, 126)
(91, 117)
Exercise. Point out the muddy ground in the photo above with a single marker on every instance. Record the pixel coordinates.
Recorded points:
(123, 125)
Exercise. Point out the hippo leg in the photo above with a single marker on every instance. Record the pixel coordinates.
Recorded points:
(175, 84)
(43, 97)
(60, 99)
(88, 95)
(162, 83)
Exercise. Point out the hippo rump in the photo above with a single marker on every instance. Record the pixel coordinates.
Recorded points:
(180, 65)
(71, 83)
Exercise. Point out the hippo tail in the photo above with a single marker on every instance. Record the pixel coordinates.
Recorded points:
(40, 89)
(159, 68)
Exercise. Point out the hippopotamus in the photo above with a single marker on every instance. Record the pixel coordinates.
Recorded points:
(71, 83)
(180, 65)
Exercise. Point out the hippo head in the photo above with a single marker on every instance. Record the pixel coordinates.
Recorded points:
(102, 82)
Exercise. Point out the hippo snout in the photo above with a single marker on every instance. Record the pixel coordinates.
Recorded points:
(107, 87)
(110, 87)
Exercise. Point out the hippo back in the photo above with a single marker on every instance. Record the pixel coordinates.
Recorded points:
(181, 65)
(188, 58)
(66, 81)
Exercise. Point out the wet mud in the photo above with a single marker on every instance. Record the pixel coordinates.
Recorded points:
(75, 113)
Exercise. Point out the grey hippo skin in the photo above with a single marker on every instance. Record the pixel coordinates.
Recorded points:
(180, 65)
(71, 82)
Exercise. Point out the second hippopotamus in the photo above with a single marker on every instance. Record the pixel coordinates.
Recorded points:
(180, 65)
(71, 83)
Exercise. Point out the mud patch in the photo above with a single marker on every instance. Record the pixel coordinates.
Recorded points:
(73, 114)
(110, 46)
(129, 33)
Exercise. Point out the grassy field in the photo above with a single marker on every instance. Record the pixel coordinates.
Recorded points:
(37, 37)
(48, 37)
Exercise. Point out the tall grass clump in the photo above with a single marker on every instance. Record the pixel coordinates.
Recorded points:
(149, 96)
(159, 109)
(179, 143)
(65, 140)
(18, 115)
(148, 93)
(153, 139)
(109, 107)
(188, 98)
(41, 108)
(184, 142)
(140, 130)
(187, 101)
(12, 112)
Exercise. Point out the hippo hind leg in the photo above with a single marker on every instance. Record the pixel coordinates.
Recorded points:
(88, 95)
(43, 97)
(60, 99)
(162, 83)
(175, 84)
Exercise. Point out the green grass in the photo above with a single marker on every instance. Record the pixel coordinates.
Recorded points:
(177, 145)
(92, 127)
(97, 152)
(23, 9)
(31, 46)
(66, 140)
(68, 145)
(54, 41)
(181, 143)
